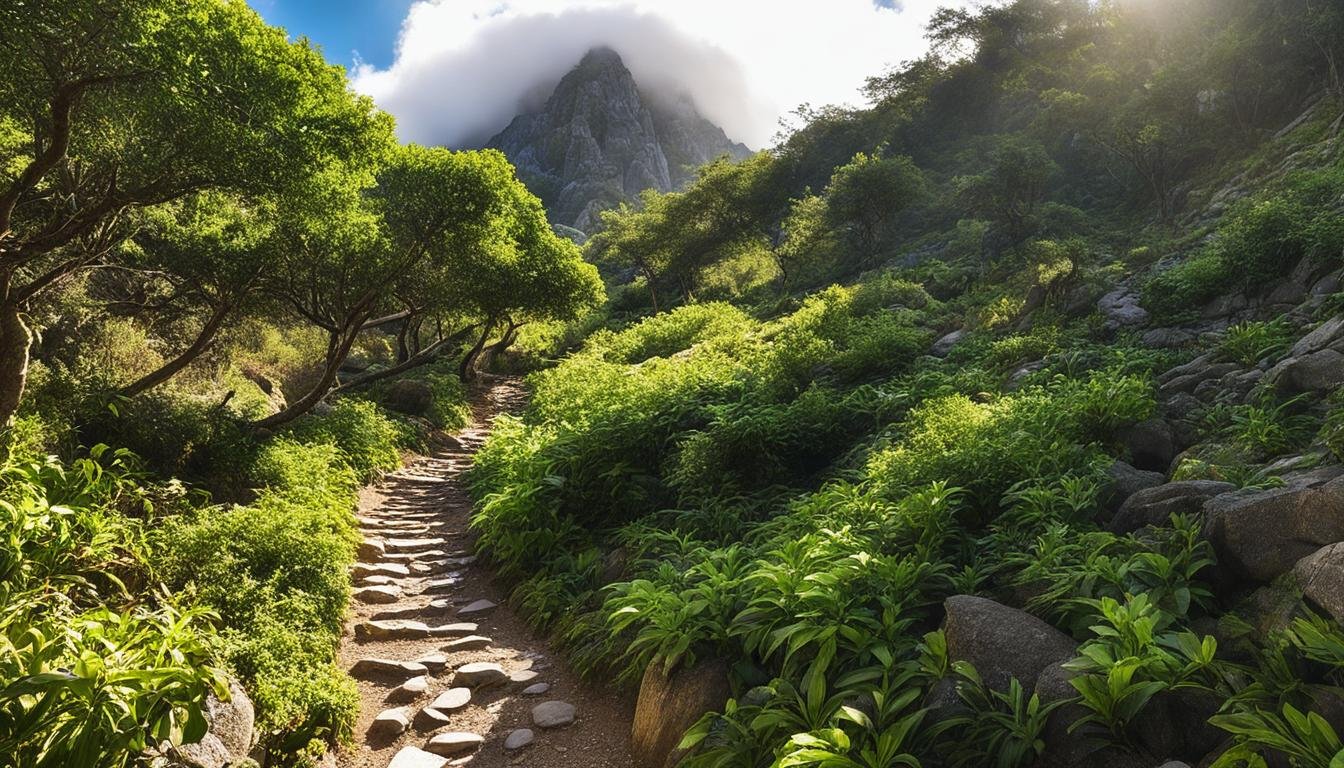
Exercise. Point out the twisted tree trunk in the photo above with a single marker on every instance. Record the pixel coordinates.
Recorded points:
(15, 340)
(467, 370)
(204, 339)
(423, 357)
(338, 348)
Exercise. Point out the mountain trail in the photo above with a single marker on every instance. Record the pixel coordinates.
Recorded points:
(448, 674)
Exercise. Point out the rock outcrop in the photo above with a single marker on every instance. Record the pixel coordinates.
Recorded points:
(599, 141)
(1002, 643)
(670, 704)
(1261, 534)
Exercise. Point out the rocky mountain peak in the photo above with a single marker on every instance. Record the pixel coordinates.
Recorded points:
(599, 141)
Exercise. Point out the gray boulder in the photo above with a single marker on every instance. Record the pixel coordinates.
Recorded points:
(1121, 309)
(1261, 534)
(1002, 642)
(1321, 371)
(1328, 334)
(1321, 577)
(944, 345)
(230, 735)
(1156, 505)
(1123, 481)
(1151, 444)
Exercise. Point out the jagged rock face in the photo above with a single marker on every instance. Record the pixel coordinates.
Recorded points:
(599, 142)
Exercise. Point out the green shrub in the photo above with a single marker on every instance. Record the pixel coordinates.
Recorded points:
(1250, 342)
(93, 673)
(276, 572)
(369, 441)
(1187, 285)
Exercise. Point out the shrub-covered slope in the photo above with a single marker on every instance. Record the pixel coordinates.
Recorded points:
(1051, 476)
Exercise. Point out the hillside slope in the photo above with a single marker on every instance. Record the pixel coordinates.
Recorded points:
(1015, 436)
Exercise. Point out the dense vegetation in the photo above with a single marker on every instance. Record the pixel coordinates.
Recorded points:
(894, 360)
(215, 257)
(751, 470)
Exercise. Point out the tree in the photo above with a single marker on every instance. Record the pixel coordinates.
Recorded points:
(1009, 191)
(866, 194)
(672, 237)
(107, 106)
(434, 234)
(211, 250)
(805, 239)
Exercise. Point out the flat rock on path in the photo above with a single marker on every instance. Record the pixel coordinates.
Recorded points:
(441, 613)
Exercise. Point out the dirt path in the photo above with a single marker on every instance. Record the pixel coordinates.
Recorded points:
(424, 610)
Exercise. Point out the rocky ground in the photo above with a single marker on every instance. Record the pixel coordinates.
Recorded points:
(448, 674)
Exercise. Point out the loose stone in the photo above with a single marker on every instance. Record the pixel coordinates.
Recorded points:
(553, 714)
(519, 739)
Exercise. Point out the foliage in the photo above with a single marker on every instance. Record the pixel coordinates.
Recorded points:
(90, 677)
(1250, 342)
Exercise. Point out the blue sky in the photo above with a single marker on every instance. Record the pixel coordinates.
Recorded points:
(342, 27)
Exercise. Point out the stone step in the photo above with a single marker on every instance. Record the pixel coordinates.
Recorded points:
(391, 722)
(415, 757)
(451, 700)
(405, 629)
(480, 674)
(435, 661)
(443, 585)
(523, 676)
(382, 594)
(553, 714)
(372, 667)
(371, 550)
(477, 608)
(378, 580)
(454, 743)
(411, 557)
(362, 570)
(468, 643)
(406, 612)
(414, 545)
(411, 689)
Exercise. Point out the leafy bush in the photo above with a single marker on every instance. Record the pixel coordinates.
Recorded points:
(369, 441)
(1250, 342)
(276, 573)
(90, 677)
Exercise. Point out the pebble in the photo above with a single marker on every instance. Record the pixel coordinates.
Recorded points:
(519, 739)
(553, 714)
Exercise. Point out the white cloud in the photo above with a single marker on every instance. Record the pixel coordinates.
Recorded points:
(464, 68)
